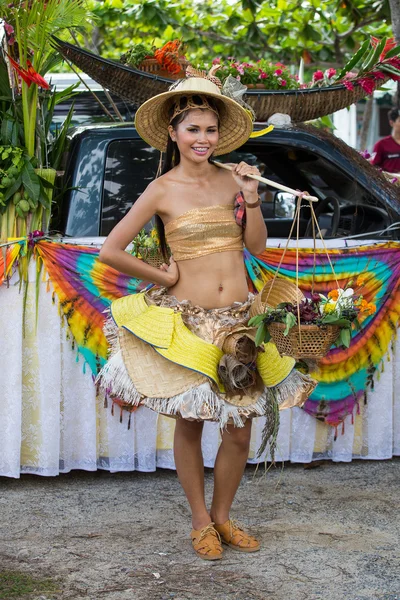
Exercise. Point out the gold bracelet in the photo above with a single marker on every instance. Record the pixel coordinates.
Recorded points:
(252, 204)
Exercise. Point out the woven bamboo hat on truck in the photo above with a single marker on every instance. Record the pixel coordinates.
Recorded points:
(235, 120)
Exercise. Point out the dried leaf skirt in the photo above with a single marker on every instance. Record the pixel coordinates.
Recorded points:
(201, 364)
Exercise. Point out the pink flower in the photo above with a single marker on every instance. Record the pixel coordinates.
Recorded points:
(279, 64)
(240, 69)
(394, 180)
(278, 72)
(283, 82)
(262, 75)
(9, 28)
(365, 154)
(11, 41)
(329, 73)
(238, 77)
(216, 61)
(367, 84)
(348, 85)
(318, 76)
(296, 77)
(350, 75)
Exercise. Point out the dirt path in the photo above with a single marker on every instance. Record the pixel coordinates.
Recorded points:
(328, 533)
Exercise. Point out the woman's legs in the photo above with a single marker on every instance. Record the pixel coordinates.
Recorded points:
(190, 468)
(228, 470)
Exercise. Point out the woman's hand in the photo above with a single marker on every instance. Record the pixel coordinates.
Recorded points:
(239, 173)
(171, 271)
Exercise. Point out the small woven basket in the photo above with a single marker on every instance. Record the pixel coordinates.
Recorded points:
(273, 293)
(151, 65)
(151, 256)
(241, 347)
(312, 341)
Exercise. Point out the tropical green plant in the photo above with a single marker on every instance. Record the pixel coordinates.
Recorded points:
(31, 53)
(31, 149)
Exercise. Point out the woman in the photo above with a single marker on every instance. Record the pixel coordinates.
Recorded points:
(170, 346)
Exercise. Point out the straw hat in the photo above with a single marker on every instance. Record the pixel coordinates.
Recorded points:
(152, 374)
(152, 117)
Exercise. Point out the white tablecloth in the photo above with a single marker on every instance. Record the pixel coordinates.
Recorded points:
(52, 422)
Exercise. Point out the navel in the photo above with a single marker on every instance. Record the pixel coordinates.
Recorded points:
(221, 287)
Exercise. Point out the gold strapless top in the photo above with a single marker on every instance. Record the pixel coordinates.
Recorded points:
(202, 231)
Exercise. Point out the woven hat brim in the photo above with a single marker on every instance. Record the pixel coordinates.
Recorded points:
(153, 375)
(152, 120)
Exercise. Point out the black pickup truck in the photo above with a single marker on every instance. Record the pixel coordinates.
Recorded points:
(109, 166)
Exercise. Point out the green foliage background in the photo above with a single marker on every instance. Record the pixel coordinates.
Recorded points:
(323, 33)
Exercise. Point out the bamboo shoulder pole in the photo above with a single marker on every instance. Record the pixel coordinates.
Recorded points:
(278, 186)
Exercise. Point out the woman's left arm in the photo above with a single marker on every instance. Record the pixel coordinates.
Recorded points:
(255, 235)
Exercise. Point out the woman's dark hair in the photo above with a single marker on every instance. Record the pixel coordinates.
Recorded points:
(172, 158)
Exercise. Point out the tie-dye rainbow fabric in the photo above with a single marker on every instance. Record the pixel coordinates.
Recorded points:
(85, 287)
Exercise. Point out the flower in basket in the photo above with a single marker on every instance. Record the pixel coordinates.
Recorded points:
(146, 246)
(263, 74)
(168, 56)
(341, 308)
(375, 60)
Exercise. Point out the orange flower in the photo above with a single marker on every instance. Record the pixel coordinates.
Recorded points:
(371, 308)
(390, 43)
(333, 294)
(361, 279)
(363, 305)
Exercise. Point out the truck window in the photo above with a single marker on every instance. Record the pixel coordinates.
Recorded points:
(130, 166)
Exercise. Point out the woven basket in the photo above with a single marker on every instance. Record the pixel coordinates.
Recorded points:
(152, 66)
(305, 105)
(314, 341)
(273, 293)
(137, 86)
(151, 256)
(241, 346)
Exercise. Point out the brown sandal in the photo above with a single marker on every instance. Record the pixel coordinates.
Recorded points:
(206, 542)
(233, 535)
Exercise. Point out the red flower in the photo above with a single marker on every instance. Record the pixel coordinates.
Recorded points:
(216, 61)
(330, 73)
(394, 61)
(29, 75)
(278, 72)
(283, 82)
(318, 76)
(367, 84)
(348, 85)
(36, 78)
(378, 75)
(390, 43)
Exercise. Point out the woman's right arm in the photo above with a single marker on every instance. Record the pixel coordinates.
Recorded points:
(113, 251)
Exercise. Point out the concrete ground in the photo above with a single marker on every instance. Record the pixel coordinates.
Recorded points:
(327, 533)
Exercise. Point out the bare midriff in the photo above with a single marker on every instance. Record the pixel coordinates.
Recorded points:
(212, 281)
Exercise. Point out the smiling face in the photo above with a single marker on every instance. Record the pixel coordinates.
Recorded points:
(196, 135)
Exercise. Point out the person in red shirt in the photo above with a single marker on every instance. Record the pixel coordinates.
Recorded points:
(387, 150)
